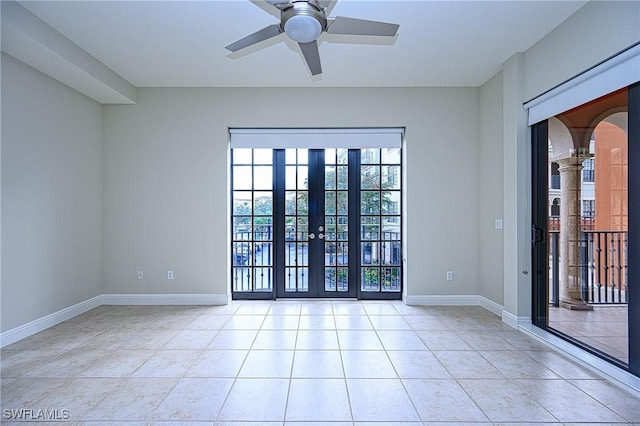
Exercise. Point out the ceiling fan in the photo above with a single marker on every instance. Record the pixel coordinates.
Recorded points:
(304, 20)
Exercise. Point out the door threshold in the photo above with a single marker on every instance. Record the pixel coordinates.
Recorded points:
(317, 299)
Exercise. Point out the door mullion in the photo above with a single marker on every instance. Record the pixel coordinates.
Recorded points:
(354, 223)
(633, 308)
(279, 220)
(316, 219)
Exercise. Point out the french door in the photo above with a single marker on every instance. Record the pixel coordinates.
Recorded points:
(316, 223)
(319, 252)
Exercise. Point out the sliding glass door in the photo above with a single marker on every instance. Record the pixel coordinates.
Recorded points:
(586, 218)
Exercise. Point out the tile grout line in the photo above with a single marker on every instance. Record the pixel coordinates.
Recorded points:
(293, 360)
(344, 373)
(237, 375)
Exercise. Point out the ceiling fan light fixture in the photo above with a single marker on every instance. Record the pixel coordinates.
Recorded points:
(303, 28)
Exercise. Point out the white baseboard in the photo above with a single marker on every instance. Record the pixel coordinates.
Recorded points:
(623, 379)
(33, 327)
(443, 300)
(514, 321)
(603, 368)
(165, 299)
(470, 300)
(456, 300)
(615, 375)
(11, 336)
(491, 306)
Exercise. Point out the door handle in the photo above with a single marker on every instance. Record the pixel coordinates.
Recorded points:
(321, 236)
(537, 235)
(312, 236)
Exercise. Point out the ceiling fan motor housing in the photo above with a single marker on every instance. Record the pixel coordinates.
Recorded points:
(303, 21)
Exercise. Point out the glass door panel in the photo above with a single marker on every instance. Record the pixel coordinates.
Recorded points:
(252, 221)
(381, 221)
(336, 220)
(296, 258)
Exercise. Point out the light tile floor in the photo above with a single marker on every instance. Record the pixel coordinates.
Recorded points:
(300, 362)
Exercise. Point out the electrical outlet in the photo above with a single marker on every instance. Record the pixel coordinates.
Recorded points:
(498, 224)
(449, 275)
(140, 275)
(169, 275)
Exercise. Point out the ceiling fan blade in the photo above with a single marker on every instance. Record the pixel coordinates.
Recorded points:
(312, 56)
(257, 37)
(280, 4)
(352, 26)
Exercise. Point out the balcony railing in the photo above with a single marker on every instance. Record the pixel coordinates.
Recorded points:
(603, 266)
(586, 223)
(253, 255)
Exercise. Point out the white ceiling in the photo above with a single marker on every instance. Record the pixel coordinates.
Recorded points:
(181, 43)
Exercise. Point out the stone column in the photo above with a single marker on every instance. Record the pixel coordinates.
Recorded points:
(569, 274)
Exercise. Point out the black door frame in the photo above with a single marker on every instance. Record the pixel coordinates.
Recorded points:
(633, 104)
(539, 223)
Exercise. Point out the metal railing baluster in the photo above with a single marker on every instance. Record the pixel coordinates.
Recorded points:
(603, 265)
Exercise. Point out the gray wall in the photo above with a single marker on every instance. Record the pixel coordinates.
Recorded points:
(490, 180)
(166, 179)
(595, 32)
(51, 195)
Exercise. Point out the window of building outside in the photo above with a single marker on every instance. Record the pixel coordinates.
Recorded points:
(555, 176)
(588, 171)
(588, 208)
(555, 207)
